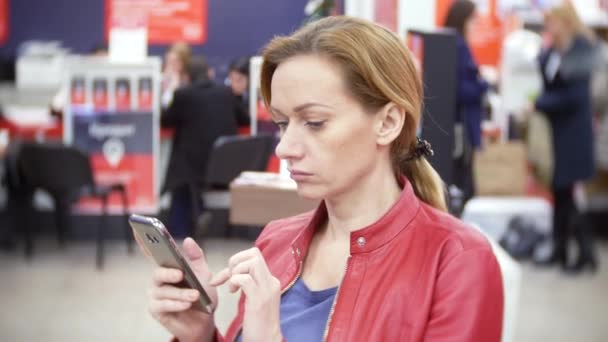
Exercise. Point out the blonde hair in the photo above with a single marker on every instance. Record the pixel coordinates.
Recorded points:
(183, 52)
(567, 14)
(378, 69)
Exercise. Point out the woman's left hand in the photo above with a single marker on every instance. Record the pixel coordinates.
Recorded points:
(248, 271)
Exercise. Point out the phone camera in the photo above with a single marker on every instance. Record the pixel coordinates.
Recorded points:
(151, 238)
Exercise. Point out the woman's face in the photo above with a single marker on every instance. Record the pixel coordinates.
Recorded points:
(238, 82)
(328, 139)
(468, 25)
(555, 28)
(173, 63)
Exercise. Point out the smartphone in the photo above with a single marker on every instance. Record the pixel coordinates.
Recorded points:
(156, 241)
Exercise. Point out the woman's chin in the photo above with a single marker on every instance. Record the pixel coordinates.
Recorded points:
(310, 192)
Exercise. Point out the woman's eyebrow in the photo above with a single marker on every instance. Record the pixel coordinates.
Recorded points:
(297, 109)
(307, 105)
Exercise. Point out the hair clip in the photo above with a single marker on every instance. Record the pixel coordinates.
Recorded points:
(422, 149)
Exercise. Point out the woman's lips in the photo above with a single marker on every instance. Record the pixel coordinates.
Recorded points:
(298, 175)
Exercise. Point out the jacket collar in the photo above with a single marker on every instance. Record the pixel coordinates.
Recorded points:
(367, 238)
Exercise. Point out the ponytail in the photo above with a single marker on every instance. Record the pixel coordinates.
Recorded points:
(426, 182)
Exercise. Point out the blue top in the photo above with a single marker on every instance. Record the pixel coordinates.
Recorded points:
(304, 313)
(471, 90)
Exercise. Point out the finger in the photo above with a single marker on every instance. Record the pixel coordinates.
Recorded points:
(173, 293)
(256, 267)
(164, 275)
(220, 278)
(242, 256)
(193, 251)
(197, 259)
(245, 282)
(241, 268)
(245, 267)
(166, 306)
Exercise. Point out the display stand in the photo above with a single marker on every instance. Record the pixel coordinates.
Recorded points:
(112, 114)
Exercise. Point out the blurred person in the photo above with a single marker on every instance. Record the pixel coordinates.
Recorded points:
(380, 244)
(471, 90)
(566, 65)
(238, 79)
(599, 101)
(200, 113)
(175, 71)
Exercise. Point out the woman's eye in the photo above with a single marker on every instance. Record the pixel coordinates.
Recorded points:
(281, 124)
(315, 124)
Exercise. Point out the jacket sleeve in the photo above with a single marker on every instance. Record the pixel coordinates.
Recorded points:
(471, 87)
(563, 100)
(217, 338)
(468, 299)
(173, 115)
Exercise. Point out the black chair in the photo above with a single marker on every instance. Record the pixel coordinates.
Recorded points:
(66, 174)
(230, 156)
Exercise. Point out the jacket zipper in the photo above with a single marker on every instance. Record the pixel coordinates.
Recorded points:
(333, 305)
(290, 285)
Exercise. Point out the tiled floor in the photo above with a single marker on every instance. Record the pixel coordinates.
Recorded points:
(59, 296)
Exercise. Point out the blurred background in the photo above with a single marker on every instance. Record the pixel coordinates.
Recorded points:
(101, 101)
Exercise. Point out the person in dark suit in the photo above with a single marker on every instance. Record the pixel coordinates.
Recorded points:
(566, 101)
(200, 113)
(470, 92)
(238, 78)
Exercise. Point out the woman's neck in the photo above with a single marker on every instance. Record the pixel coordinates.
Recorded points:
(365, 202)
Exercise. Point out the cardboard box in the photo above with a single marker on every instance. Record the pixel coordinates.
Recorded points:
(500, 170)
(258, 198)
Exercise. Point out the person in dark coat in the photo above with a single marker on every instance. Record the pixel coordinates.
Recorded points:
(200, 113)
(566, 66)
(470, 92)
(238, 78)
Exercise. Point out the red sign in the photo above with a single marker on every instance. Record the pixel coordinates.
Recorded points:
(3, 21)
(78, 92)
(144, 98)
(487, 32)
(123, 94)
(100, 94)
(168, 21)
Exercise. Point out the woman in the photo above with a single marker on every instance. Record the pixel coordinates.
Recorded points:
(471, 89)
(566, 100)
(379, 260)
(175, 71)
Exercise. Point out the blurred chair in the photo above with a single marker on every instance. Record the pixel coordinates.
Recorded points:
(66, 174)
(230, 156)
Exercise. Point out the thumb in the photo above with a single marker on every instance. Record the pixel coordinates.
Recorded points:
(196, 258)
(193, 251)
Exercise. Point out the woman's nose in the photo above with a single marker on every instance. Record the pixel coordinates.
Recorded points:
(289, 147)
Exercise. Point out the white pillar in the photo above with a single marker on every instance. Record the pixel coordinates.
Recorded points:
(364, 9)
(416, 14)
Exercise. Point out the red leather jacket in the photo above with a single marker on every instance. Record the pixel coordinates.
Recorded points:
(417, 274)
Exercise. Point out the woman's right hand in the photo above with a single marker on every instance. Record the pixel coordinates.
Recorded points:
(172, 306)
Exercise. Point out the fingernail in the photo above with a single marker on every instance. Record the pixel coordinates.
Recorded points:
(193, 294)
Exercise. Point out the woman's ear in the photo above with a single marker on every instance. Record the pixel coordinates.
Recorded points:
(390, 121)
